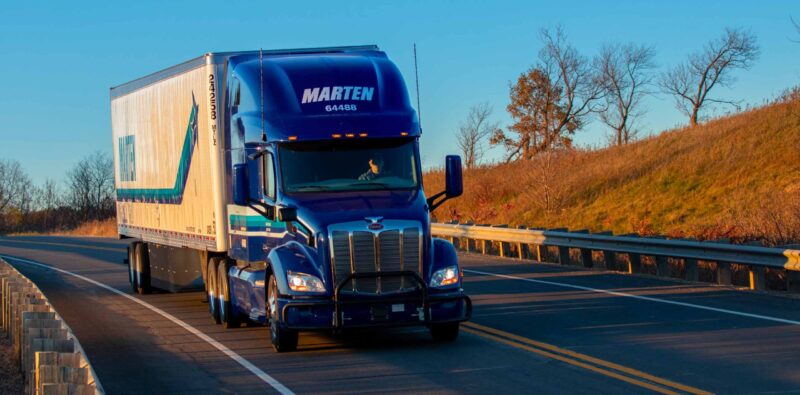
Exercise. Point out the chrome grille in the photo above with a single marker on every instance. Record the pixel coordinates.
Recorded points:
(356, 249)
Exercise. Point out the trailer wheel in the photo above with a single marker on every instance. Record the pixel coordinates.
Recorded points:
(282, 340)
(228, 317)
(446, 332)
(132, 266)
(213, 301)
(142, 270)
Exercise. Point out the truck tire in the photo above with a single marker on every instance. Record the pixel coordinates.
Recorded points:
(282, 340)
(445, 333)
(228, 317)
(142, 269)
(132, 266)
(213, 301)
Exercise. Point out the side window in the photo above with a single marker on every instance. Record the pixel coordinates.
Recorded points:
(269, 176)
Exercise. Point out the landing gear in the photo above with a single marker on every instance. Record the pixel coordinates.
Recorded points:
(282, 340)
(445, 333)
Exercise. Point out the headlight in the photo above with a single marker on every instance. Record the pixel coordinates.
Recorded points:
(301, 282)
(446, 276)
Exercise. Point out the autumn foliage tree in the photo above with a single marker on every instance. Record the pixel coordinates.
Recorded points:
(551, 101)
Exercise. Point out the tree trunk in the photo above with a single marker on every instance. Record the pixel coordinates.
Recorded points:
(693, 119)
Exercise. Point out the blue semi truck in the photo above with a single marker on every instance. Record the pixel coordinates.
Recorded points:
(287, 184)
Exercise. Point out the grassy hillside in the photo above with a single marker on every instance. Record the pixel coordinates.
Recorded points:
(735, 177)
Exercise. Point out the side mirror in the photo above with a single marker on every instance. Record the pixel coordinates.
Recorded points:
(287, 214)
(240, 184)
(453, 182)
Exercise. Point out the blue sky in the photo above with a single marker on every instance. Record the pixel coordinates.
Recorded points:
(59, 58)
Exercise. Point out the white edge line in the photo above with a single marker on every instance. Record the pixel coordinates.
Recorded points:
(219, 346)
(645, 298)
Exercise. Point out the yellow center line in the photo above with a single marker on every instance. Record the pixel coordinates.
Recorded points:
(62, 244)
(575, 358)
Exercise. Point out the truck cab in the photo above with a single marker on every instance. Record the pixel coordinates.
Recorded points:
(329, 224)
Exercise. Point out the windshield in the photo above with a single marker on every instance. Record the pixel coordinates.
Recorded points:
(349, 165)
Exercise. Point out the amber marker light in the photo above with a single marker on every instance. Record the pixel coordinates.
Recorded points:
(292, 138)
(404, 133)
(336, 135)
(362, 135)
(349, 135)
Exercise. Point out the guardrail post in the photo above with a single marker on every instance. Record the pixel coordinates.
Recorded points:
(563, 255)
(792, 281)
(662, 266)
(586, 258)
(634, 263)
(723, 273)
(502, 248)
(539, 253)
(483, 247)
(609, 260)
(757, 280)
(691, 269)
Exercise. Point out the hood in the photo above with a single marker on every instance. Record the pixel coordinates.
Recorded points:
(319, 210)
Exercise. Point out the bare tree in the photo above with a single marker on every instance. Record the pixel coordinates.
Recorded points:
(91, 186)
(690, 83)
(14, 185)
(473, 131)
(626, 75)
(48, 198)
(552, 100)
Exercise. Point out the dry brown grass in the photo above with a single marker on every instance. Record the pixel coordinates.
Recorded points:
(736, 177)
(10, 378)
(95, 228)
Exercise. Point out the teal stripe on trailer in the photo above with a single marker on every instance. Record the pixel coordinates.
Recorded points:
(172, 195)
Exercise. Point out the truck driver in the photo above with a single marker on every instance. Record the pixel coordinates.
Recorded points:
(375, 169)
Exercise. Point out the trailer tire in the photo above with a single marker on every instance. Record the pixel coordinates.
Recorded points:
(213, 301)
(228, 317)
(142, 269)
(445, 332)
(132, 266)
(283, 340)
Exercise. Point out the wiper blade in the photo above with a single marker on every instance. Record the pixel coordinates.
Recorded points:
(367, 184)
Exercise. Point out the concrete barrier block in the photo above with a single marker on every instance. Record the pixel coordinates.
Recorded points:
(67, 389)
(55, 374)
(51, 358)
(27, 356)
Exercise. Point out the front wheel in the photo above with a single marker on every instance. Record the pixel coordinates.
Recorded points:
(446, 332)
(282, 340)
(228, 317)
(213, 300)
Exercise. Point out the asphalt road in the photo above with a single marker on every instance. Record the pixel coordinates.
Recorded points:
(536, 329)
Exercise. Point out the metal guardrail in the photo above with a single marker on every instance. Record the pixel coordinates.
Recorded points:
(755, 257)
